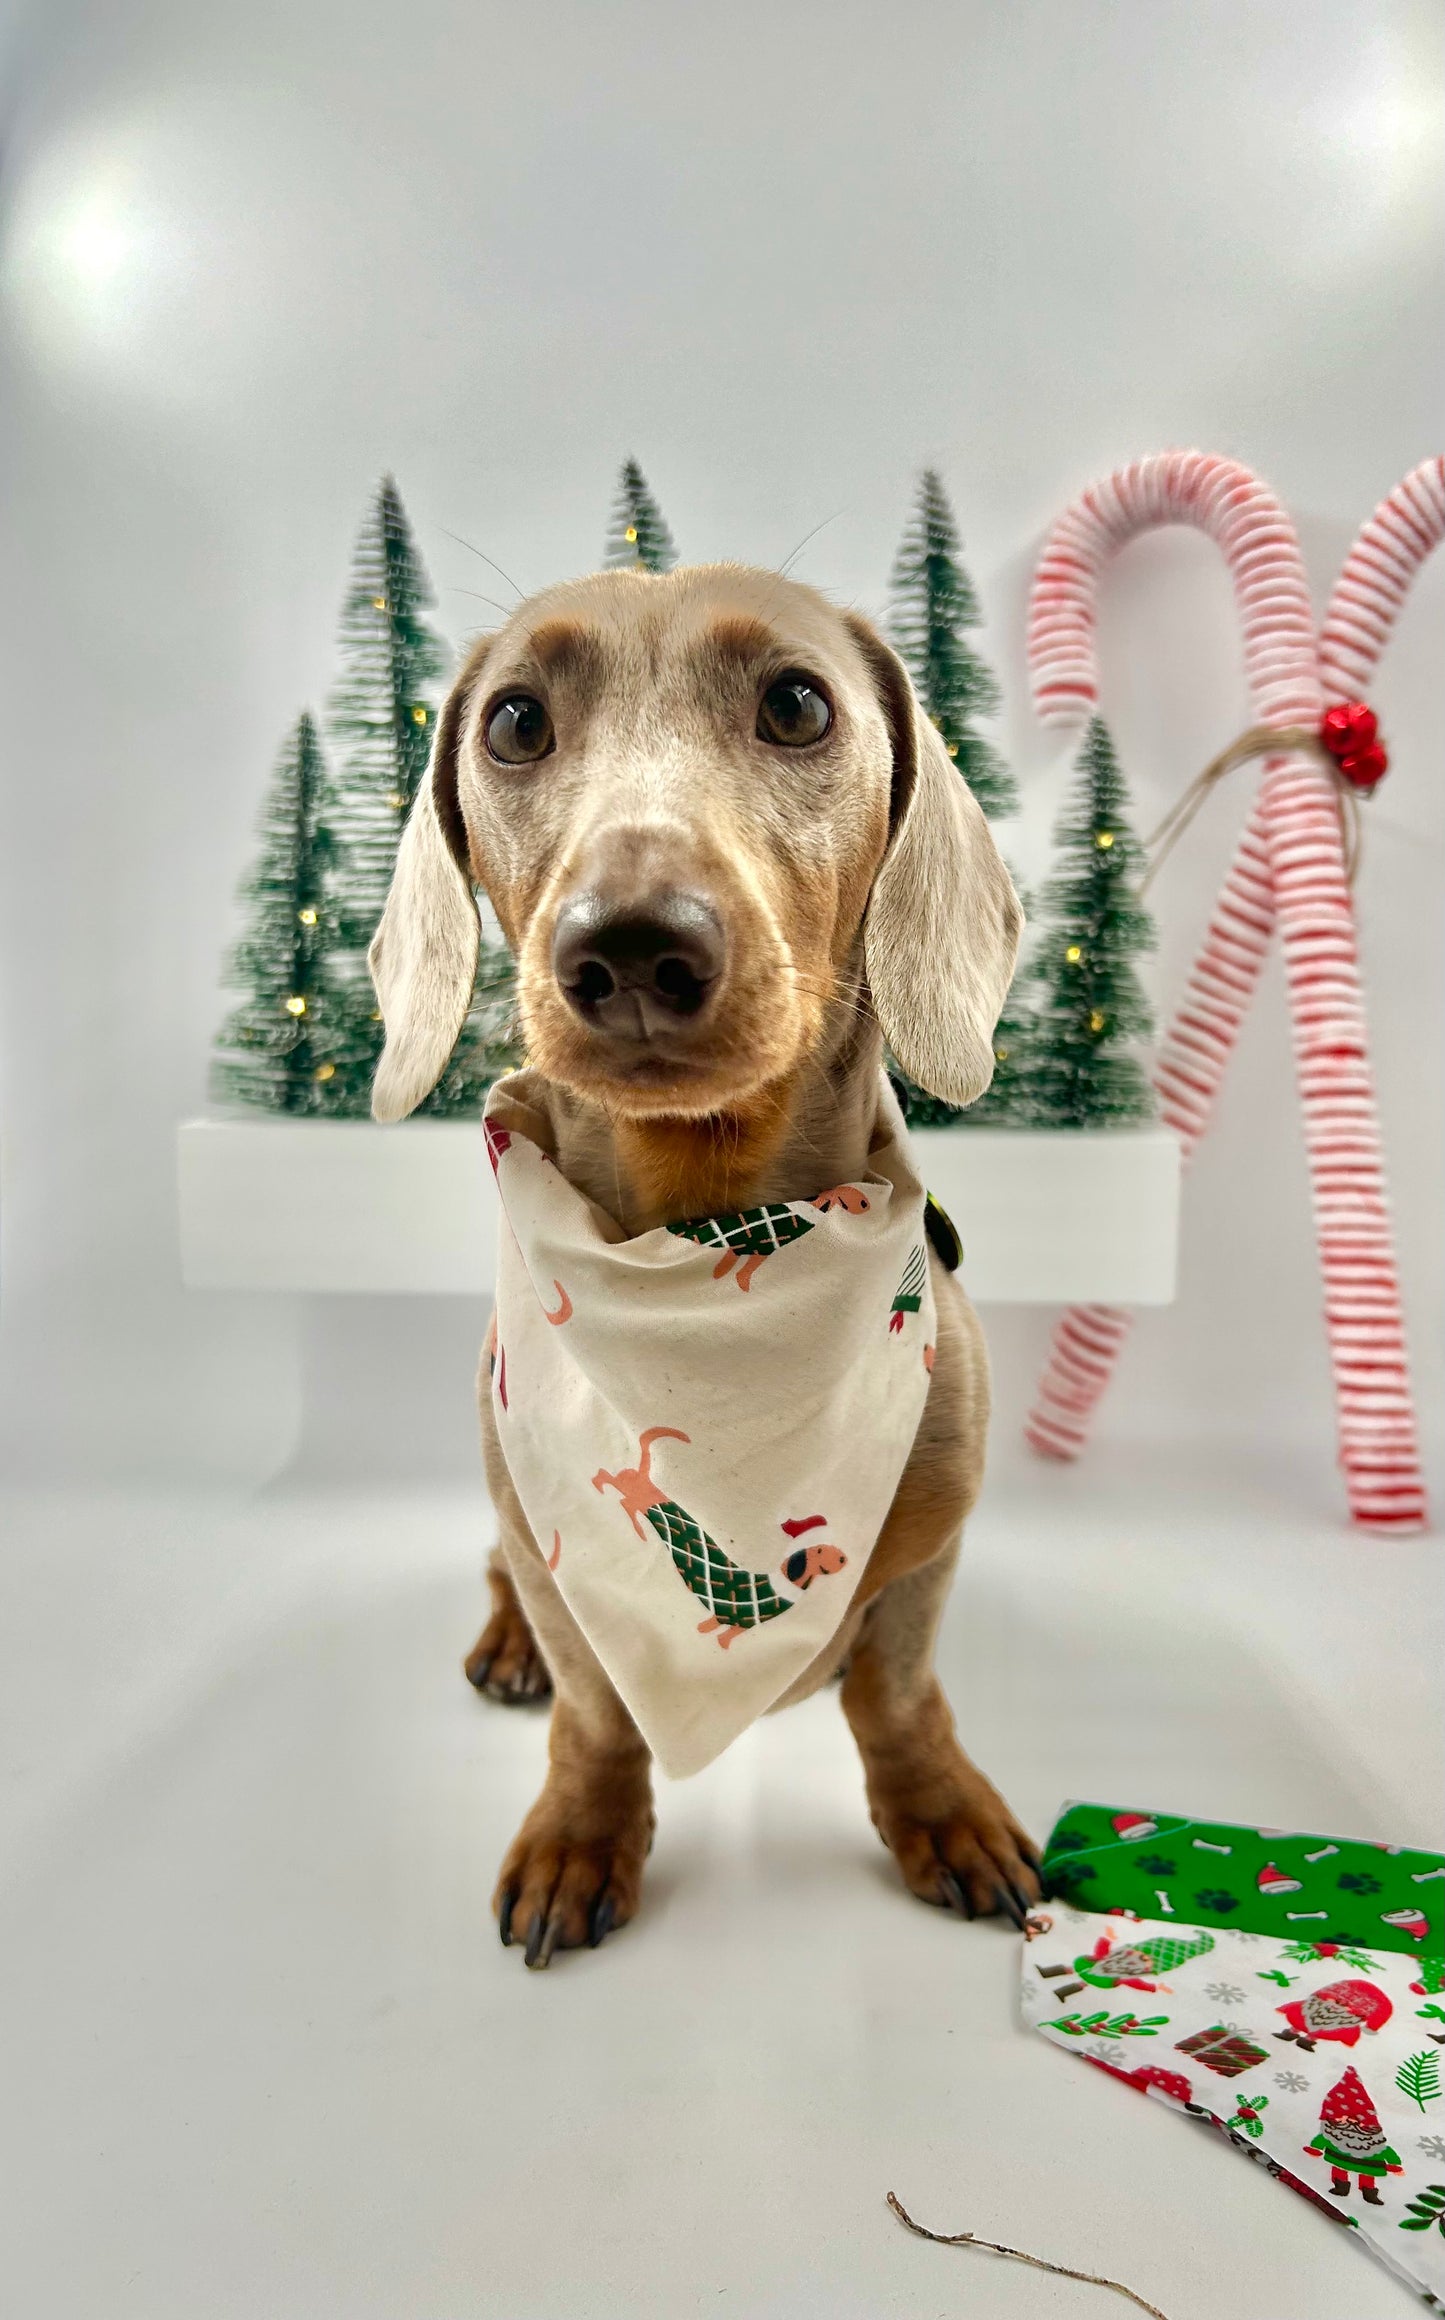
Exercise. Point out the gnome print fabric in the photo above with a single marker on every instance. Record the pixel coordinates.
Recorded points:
(1321, 2059)
(706, 1423)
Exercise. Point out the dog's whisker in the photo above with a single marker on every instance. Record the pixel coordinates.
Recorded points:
(456, 589)
(787, 565)
(473, 550)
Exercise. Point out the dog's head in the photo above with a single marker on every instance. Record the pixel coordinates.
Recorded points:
(691, 800)
(805, 1564)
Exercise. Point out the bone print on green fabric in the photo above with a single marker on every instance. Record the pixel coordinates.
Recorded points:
(1334, 1893)
(735, 1597)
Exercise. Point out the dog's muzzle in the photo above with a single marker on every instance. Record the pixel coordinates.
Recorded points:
(638, 969)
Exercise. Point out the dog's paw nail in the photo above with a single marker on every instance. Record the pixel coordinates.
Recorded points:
(600, 1920)
(550, 1936)
(1011, 1905)
(956, 1894)
(532, 1955)
(504, 1916)
(477, 1672)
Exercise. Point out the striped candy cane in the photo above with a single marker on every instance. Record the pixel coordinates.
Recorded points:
(1288, 867)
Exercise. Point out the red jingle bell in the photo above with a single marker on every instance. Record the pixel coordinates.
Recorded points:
(1364, 724)
(1362, 768)
(1350, 732)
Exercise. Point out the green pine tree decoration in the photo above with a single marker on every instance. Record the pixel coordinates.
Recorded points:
(276, 1049)
(932, 608)
(383, 718)
(1090, 1005)
(637, 535)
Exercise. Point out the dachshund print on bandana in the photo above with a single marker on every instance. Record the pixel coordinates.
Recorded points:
(713, 1469)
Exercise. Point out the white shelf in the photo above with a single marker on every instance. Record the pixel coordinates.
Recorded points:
(1050, 1217)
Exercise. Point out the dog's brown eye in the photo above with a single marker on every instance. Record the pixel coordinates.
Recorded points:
(793, 711)
(519, 730)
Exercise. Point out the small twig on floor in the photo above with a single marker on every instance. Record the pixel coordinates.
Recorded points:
(1018, 2255)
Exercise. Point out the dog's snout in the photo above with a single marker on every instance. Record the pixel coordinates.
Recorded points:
(635, 969)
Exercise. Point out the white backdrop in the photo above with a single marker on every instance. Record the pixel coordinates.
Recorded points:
(784, 253)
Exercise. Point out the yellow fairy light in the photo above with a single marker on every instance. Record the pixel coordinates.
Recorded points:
(1073, 954)
(1104, 839)
(326, 1071)
(630, 535)
(395, 799)
(418, 715)
(296, 1006)
(307, 917)
(1096, 1021)
(378, 603)
(1000, 1055)
(953, 749)
(376, 1014)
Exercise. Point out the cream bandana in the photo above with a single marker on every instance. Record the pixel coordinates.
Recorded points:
(706, 1424)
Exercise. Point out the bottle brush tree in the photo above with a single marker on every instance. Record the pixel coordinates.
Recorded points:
(383, 715)
(1089, 1004)
(637, 536)
(932, 609)
(276, 1049)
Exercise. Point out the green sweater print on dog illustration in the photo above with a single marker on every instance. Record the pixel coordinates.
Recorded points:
(736, 1599)
(753, 1235)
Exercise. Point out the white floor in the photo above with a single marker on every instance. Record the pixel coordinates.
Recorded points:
(264, 2056)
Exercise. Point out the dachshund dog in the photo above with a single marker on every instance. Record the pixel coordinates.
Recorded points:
(730, 855)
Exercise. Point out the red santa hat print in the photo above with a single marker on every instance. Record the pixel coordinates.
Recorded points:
(1411, 1921)
(1130, 1826)
(1274, 1881)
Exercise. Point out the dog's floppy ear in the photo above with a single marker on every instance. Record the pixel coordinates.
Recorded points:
(942, 928)
(423, 956)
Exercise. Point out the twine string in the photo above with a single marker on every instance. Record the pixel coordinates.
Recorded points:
(1019, 2256)
(1259, 741)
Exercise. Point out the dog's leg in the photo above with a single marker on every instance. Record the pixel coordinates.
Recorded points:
(953, 1837)
(504, 1662)
(574, 1870)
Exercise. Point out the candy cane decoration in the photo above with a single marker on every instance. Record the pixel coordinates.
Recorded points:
(1288, 868)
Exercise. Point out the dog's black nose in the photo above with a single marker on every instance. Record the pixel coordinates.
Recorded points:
(635, 969)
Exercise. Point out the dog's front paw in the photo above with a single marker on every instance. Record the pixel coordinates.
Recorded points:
(504, 1662)
(956, 1841)
(572, 1878)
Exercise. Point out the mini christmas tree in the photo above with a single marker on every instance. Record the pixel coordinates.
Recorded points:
(637, 535)
(276, 1049)
(382, 711)
(383, 715)
(933, 607)
(1078, 1072)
